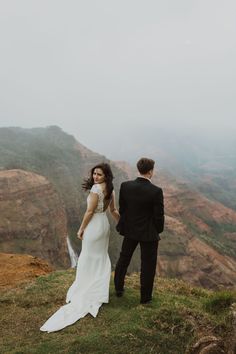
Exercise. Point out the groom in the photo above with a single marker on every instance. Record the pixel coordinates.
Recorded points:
(141, 221)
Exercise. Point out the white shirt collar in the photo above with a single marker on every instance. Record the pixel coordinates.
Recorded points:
(149, 179)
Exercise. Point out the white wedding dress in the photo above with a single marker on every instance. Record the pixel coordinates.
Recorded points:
(91, 286)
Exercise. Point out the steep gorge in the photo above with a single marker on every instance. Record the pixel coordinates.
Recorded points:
(33, 218)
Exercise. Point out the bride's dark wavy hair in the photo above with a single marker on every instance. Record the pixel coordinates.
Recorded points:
(106, 169)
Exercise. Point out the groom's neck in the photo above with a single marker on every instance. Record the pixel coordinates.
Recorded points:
(147, 176)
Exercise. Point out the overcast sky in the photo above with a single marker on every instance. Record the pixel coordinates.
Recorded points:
(104, 69)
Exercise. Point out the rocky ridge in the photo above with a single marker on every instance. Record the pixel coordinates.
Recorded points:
(33, 218)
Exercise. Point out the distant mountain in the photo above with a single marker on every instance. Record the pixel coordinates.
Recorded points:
(199, 240)
(52, 153)
(206, 161)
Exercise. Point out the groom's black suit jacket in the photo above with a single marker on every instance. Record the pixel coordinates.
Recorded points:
(141, 210)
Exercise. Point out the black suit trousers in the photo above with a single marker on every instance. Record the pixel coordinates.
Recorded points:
(148, 265)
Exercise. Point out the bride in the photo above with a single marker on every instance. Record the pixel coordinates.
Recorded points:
(91, 286)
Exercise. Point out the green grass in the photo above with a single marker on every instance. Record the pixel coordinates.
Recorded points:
(178, 315)
(220, 301)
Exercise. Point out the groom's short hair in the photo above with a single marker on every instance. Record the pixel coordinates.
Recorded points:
(144, 165)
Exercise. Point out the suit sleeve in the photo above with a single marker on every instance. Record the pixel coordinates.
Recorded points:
(121, 200)
(120, 225)
(158, 211)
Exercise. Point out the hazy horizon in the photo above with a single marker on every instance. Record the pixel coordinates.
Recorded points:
(111, 73)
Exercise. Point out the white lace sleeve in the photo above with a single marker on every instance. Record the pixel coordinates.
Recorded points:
(94, 189)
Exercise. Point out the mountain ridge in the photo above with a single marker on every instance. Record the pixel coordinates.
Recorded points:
(190, 215)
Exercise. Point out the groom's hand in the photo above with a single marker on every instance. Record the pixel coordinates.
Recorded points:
(80, 234)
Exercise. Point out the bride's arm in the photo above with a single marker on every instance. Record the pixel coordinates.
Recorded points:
(112, 208)
(93, 202)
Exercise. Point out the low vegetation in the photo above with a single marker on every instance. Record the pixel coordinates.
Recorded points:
(179, 315)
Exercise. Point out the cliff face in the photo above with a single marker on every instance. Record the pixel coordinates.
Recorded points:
(57, 156)
(184, 256)
(33, 219)
(198, 244)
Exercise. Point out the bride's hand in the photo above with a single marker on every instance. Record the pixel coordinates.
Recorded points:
(80, 234)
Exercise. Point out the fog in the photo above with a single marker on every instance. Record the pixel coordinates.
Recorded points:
(110, 72)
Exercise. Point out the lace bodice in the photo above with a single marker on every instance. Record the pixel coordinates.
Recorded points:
(96, 188)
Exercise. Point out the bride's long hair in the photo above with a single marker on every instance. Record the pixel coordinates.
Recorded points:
(106, 169)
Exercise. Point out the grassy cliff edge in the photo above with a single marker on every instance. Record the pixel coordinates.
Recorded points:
(178, 317)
